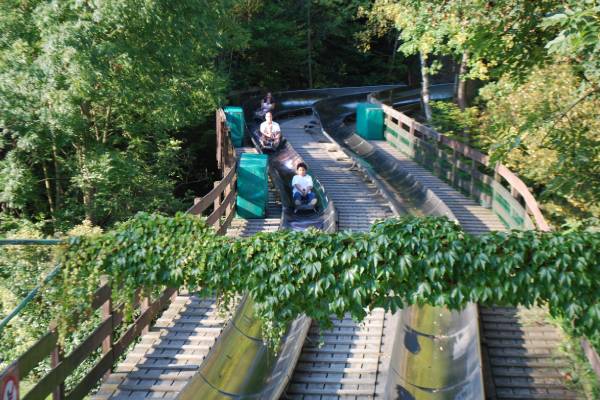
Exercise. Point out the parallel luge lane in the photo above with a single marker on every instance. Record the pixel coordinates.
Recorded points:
(346, 361)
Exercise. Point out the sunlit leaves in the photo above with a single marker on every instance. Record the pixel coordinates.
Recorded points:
(400, 261)
(546, 130)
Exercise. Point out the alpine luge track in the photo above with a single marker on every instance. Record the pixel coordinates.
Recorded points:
(418, 353)
(522, 356)
(351, 355)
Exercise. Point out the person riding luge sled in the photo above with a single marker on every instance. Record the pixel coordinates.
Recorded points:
(270, 133)
(267, 104)
(302, 187)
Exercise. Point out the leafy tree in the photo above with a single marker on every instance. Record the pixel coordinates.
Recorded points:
(89, 96)
(577, 41)
(485, 38)
(532, 128)
(283, 41)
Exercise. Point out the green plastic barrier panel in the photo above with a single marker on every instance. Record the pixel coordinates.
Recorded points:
(235, 120)
(252, 186)
(369, 121)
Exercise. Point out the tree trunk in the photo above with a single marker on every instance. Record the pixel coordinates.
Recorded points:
(309, 45)
(86, 189)
(461, 94)
(57, 176)
(106, 125)
(425, 87)
(455, 69)
(48, 188)
(393, 62)
(87, 204)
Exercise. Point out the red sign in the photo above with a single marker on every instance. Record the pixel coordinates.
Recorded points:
(9, 382)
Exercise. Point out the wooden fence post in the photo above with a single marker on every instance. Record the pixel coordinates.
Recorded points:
(438, 168)
(454, 171)
(497, 176)
(225, 194)
(56, 358)
(107, 310)
(412, 139)
(144, 306)
(217, 202)
(514, 192)
(219, 140)
(472, 182)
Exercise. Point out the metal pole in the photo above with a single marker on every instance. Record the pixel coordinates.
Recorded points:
(13, 242)
(28, 299)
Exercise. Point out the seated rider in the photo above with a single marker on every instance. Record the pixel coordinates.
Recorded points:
(266, 105)
(270, 131)
(302, 185)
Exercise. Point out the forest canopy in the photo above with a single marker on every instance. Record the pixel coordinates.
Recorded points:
(94, 96)
(533, 68)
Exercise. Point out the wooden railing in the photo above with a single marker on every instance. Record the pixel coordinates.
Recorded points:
(506, 190)
(62, 366)
(226, 156)
(467, 169)
(222, 197)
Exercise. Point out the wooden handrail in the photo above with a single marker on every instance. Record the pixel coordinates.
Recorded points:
(63, 366)
(222, 197)
(206, 201)
(420, 132)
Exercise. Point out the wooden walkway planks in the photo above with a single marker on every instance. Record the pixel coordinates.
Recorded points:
(524, 355)
(350, 360)
(169, 354)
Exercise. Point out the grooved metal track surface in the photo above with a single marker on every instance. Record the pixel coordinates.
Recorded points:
(521, 349)
(347, 361)
(167, 357)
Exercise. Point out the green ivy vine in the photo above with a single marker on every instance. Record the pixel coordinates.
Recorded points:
(401, 261)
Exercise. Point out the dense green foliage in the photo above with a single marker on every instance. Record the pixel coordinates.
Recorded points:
(498, 37)
(400, 261)
(21, 269)
(557, 150)
(295, 45)
(97, 99)
(89, 96)
(540, 63)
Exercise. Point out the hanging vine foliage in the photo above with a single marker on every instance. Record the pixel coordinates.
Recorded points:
(400, 261)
